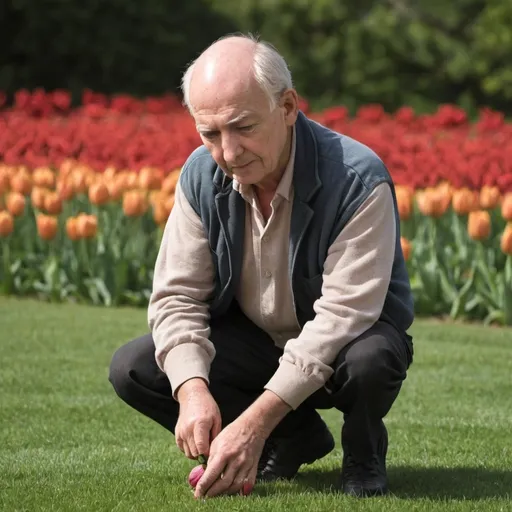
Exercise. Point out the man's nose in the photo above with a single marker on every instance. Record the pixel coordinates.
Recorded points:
(231, 148)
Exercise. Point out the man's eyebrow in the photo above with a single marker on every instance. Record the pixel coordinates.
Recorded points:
(236, 120)
(239, 119)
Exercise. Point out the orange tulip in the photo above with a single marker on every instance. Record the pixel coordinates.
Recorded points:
(53, 203)
(132, 180)
(115, 190)
(72, 228)
(489, 197)
(150, 178)
(404, 198)
(65, 189)
(154, 197)
(446, 187)
(121, 180)
(134, 203)
(479, 225)
(506, 207)
(46, 226)
(38, 196)
(5, 181)
(406, 247)
(160, 213)
(21, 183)
(6, 224)
(90, 179)
(15, 203)
(98, 193)
(169, 183)
(465, 201)
(67, 167)
(109, 173)
(43, 177)
(433, 202)
(79, 181)
(506, 240)
(87, 225)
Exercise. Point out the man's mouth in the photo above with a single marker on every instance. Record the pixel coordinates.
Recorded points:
(241, 166)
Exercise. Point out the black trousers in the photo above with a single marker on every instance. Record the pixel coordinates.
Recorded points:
(368, 375)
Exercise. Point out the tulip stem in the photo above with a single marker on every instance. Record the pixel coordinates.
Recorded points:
(6, 257)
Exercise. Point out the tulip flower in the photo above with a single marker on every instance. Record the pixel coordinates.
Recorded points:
(479, 225)
(6, 224)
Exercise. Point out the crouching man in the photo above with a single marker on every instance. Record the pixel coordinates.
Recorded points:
(280, 288)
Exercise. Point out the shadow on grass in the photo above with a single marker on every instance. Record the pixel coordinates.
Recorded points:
(450, 483)
(414, 482)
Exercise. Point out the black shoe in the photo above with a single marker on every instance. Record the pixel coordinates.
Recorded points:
(282, 457)
(366, 478)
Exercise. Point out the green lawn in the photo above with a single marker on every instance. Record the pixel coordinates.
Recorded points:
(68, 443)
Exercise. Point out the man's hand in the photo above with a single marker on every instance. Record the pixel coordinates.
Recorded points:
(235, 453)
(199, 421)
(233, 460)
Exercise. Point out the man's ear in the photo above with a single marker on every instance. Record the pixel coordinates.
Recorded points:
(290, 103)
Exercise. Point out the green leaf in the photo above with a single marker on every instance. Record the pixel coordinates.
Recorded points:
(493, 316)
(459, 303)
(103, 292)
(473, 303)
(98, 292)
(507, 292)
(449, 292)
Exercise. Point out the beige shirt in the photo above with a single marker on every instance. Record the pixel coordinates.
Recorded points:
(355, 281)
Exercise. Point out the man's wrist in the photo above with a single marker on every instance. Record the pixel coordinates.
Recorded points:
(194, 385)
(266, 413)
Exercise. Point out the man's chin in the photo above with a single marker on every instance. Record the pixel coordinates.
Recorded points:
(245, 178)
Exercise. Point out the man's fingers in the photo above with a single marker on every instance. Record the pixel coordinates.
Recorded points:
(182, 443)
(250, 481)
(201, 438)
(192, 449)
(186, 449)
(179, 443)
(212, 474)
(226, 483)
(253, 473)
(244, 476)
(217, 427)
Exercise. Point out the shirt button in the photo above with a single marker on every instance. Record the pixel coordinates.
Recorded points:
(268, 273)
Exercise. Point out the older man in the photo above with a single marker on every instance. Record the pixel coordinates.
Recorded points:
(280, 287)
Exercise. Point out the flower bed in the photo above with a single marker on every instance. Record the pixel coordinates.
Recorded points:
(86, 190)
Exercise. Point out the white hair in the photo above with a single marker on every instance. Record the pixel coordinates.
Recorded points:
(269, 67)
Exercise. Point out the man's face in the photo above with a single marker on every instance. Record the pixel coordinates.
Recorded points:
(244, 137)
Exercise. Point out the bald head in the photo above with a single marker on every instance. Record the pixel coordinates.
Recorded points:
(231, 56)
(234, 64)
(223, 71)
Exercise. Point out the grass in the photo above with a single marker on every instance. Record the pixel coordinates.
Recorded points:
(68, 443)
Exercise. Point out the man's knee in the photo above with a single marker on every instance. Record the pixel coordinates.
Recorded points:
(376, 357)
(124, 363)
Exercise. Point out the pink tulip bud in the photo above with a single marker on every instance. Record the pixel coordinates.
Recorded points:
(195, 475)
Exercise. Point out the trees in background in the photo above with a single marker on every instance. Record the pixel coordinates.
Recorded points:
(393, 52)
